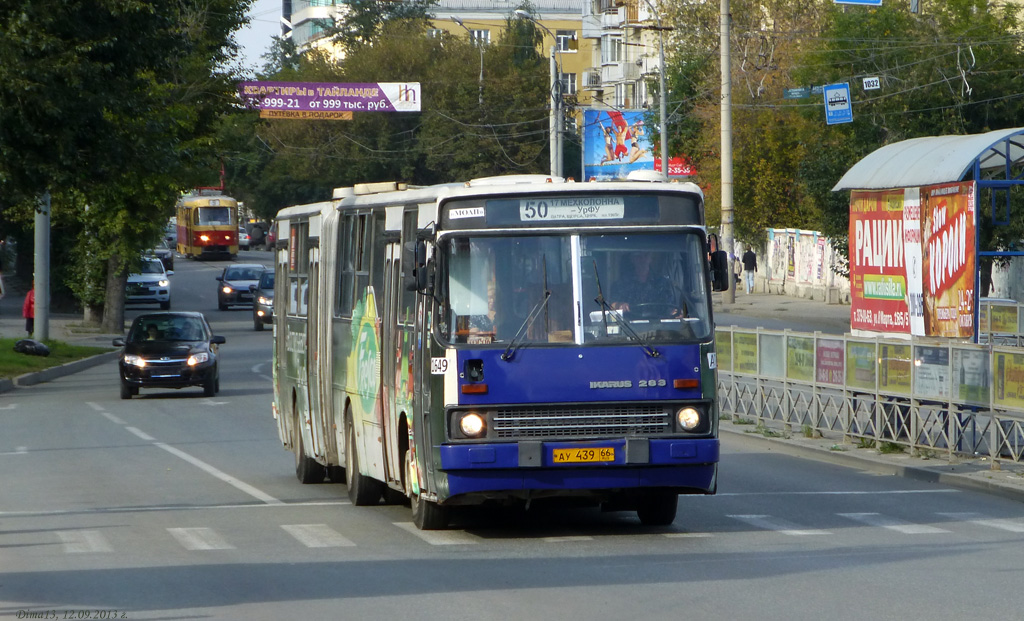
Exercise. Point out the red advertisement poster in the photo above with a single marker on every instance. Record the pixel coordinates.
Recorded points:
(948, 221)
(878, 273)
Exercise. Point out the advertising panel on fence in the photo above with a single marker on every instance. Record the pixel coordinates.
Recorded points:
(616, 142)
(800, 358)
(1002, 318)
(723, 349)
(931, 372)
(970, 367)
(744, 348)
(861, 362)
(772, 353)
(912, 260)
(894, 368)
(829, 362)
(1009, 379)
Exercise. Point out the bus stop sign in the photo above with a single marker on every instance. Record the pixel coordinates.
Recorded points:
(837, 104)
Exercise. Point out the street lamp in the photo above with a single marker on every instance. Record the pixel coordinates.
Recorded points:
(556, 98)
(479, 44)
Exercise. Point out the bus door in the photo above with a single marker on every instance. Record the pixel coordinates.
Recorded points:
(309, 294)
(391, 348)
(284, 427)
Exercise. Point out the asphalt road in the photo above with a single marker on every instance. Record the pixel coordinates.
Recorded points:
(175, 506)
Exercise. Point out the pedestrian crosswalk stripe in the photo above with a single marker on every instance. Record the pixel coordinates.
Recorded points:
(83, 541)
(1012, 526)
(768, 522)
(199, 539)
(439, 537)
(317, 535)
(882, 521)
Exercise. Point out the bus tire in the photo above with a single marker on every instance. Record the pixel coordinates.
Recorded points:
(657, 508)
(362, 490)
(307, 470)
(426, 515)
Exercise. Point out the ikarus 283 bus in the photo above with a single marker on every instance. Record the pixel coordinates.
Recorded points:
(503, 340)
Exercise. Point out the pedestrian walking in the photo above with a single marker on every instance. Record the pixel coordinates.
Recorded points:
(737, 270)
(28, 310)
(750, 266)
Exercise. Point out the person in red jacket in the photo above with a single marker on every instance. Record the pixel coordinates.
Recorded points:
(28, 310)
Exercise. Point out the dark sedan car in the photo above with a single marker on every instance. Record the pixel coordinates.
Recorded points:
(233, 285)
(165, 253)
(263, 301)
(169, 350)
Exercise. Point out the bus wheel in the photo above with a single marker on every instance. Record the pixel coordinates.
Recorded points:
(426, 515)
(307, 470)
(657, 508)
(362, 490)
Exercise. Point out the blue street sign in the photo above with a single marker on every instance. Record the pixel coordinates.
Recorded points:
(863, 2)
(837, 104)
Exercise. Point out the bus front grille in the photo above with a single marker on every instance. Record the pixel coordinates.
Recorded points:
(582, 422)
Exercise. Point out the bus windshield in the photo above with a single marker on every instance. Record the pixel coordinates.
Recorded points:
(533, 286)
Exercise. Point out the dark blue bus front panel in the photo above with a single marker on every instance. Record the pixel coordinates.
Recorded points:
(546, 403)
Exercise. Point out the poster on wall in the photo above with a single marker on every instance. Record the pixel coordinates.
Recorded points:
(616, 143)
(912, 260)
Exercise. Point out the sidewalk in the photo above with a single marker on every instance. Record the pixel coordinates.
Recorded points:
(779, 312)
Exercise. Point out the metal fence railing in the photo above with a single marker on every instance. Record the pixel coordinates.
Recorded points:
(924, 394)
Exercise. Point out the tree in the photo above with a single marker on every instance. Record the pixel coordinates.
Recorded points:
(113, 102)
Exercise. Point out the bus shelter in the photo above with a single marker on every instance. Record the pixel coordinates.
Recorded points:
(915, 209)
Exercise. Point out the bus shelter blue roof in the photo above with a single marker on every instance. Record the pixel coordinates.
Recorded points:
(932, 160)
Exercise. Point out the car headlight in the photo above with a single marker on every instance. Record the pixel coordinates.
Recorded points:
(264, 301)
(164, 283)
(472, 425)
(227, 289)
(135, 361)
(688, 418)
(195, 359)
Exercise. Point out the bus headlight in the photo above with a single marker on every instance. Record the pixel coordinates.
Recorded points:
(472, 425)
(688, 418)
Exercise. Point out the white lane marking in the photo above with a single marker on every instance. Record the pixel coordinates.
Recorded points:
(109, 510)
(768, 522)
(142, 434)
(882, 521)
(112, 418)
(83, 541)
(568, 538)
(9, 406)
(439, 537)
(843, 493)
(317, 536)
(20, 450)
(95, 406)
(223, 476)
(1012, 526)
(199, 539)
(687, 535)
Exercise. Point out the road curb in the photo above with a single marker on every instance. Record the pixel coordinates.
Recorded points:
(69, 368)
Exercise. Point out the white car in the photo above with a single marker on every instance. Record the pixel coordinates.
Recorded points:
(151, 285)
(243, 239)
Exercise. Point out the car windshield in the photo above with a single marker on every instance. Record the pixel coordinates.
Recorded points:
(267, 280)
(164, 328)
(243, 273)
(152, 267)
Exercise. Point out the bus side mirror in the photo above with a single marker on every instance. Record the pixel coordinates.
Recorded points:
(420, 273)
(719, 270)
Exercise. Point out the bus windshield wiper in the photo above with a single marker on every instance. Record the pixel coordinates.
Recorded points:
(606, 310)
(510, 351)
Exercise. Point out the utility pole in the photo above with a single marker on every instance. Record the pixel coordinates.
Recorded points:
(662, 93)
(729, 295)
(41, 275)
(480, 45)
(555, 146)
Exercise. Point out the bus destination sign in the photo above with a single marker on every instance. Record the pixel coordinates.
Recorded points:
(572, 208)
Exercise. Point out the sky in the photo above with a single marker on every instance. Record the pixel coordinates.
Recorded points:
(265, 16)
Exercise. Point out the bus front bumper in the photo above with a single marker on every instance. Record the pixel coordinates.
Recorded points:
(685, 464)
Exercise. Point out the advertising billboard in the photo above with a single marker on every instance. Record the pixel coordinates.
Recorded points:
(912, 260)
(616, 142)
